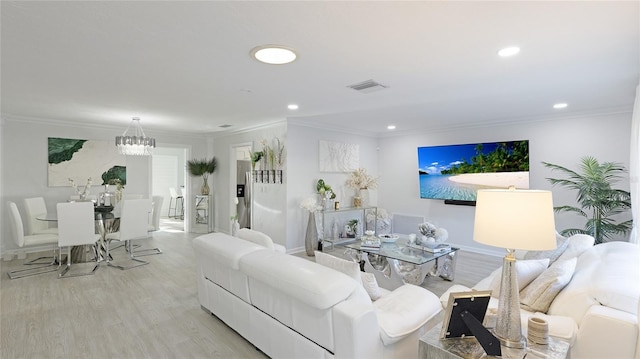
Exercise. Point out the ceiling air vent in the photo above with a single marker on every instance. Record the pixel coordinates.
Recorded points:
(368, 86)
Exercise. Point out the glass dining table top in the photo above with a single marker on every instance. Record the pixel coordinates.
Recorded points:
(53, 216)
(401, 251)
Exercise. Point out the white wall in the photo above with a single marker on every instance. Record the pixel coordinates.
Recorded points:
(303, 173)
(25, 157)
(560, 141)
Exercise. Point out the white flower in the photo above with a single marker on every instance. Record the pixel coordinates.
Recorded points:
(380, 214)
(235, 200)
(310, 204)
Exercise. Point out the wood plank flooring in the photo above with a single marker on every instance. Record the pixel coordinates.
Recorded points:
(146, 312)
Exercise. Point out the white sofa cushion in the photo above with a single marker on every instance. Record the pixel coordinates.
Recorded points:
(526, 272)
(404, 311)
(291, 275)
(539, 294)
(255, 237)
(218, 247)
(606, 274)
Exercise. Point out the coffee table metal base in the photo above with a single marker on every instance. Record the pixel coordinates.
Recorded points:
(444, 266)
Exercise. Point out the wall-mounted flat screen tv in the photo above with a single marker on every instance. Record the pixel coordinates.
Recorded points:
(455, 172)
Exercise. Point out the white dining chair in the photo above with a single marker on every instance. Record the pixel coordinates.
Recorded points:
(34, 240)
(76, 227)
(134, 220)
(35, 207)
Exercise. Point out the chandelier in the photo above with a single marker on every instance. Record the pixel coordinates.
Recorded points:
(138, 145)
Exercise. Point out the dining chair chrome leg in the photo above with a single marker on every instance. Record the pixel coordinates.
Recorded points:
(147, 252)
(131, 257)
(28, 272)
(41, 269)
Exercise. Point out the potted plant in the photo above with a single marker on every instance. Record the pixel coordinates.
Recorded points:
(599, 201)
(202, 167)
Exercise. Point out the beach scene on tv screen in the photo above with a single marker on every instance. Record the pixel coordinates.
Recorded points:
(456, 172)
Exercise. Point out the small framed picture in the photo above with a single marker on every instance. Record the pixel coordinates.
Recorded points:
(475, 302)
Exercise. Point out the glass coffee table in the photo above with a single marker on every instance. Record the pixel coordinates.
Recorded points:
(413, 265)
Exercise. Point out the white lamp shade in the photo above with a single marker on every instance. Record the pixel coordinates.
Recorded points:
(515, 219)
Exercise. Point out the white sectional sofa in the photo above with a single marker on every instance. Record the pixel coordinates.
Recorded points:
(291, 307)
(597, 311)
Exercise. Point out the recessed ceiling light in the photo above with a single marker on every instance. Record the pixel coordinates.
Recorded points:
(273, 54)
(391, 127)
(508, 51)
(560, 105)
(292, 107)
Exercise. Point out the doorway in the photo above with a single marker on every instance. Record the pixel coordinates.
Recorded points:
(168, 172)
(241, 182)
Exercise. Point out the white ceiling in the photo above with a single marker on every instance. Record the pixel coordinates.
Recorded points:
(185, 65)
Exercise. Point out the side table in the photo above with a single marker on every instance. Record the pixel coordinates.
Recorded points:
(432, 347)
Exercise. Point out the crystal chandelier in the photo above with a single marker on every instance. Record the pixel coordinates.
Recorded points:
(137, 145)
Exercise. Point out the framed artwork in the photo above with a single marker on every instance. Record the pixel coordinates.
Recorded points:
(474, 302)
(83, 159)
(338, 157)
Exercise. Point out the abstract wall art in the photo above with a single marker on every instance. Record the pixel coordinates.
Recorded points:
(83, 159)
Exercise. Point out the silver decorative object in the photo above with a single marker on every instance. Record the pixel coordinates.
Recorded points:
(311, 238)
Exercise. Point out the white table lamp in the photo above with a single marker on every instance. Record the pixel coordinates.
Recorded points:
(513, 219)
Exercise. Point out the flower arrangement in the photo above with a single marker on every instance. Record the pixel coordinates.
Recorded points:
(325, 190)
(360, 179)
(279, 154)
(85, 190)
(255, 158)
(310, 205)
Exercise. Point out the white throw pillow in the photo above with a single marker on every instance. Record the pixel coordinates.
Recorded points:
(578, 243)
(552, 254)
(539, 294)
(370, 284)
(350, 268)
(526, 272)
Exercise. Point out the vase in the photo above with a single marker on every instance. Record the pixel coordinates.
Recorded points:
(235, 227)
(205, 188)
(311, 238)
(364, 197)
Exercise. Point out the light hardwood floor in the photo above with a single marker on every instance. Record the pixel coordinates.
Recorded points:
(146, 312)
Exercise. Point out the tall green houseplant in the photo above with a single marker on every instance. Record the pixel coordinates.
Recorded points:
(203, 168)
(599, 201)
